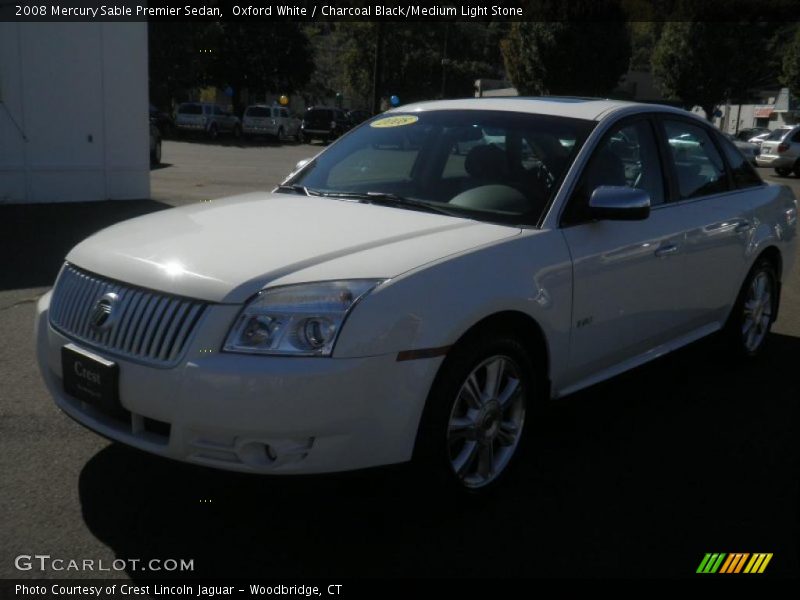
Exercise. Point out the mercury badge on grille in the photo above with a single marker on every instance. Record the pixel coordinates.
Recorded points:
(102, 316)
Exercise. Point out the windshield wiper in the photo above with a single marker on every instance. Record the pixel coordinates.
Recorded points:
(393, 200)
(296, 188)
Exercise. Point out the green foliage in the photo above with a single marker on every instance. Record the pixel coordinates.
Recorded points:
(575, 58)
(261, 57)
(790, 75)
(412, 58)
(179, 59)
(258, 56)
(705, 63)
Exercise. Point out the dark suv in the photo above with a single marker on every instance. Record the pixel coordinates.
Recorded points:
(323, 123)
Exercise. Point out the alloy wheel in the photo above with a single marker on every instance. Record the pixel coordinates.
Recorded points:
(757, 312)
(486, 421)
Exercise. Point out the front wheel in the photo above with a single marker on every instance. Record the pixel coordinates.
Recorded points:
(474, 420)
(783, 171)
(754, 312)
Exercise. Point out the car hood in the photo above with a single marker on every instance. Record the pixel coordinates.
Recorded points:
(227, 250)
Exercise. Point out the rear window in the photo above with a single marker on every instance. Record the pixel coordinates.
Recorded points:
(257, 111)
(743, 174)
(190, 109)
(778, 134)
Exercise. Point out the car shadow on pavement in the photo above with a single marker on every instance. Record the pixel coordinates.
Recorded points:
(638, 476)
(35, 238)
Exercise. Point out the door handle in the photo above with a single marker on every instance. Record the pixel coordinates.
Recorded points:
(742, 227)
(666, 250)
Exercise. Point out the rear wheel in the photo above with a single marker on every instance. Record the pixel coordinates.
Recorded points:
(474, 420)
(783, 171)
(754, 312)
(797, 168)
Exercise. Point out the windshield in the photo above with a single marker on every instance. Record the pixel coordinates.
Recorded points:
(495, 166)
(190, 109)
(257, 111)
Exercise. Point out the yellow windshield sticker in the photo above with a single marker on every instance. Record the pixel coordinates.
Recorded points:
(397, 121)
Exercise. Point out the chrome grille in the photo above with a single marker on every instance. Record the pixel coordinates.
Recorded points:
(148, 326)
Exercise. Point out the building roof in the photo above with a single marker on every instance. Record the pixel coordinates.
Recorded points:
(592, 109)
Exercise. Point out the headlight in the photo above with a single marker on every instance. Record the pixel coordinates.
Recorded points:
(296, 320)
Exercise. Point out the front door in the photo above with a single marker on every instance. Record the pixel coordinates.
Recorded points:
(627, 292)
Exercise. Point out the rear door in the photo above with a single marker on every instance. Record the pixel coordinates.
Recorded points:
(715, 205)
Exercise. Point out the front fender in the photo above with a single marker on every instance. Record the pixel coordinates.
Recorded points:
(433, 306)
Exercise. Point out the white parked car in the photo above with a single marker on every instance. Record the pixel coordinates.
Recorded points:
(781, 151)
(750, 151)
(204, 117)
(273, 121)
(397, 300)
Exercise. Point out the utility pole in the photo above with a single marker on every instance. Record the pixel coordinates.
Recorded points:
(444, 59)
(377, 69)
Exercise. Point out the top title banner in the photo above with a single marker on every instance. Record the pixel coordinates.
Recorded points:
(399, 10)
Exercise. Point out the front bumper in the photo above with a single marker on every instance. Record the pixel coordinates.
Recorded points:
(255, 413)
(775, 161)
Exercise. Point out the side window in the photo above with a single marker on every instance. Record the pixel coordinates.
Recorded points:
(627, 156)
(743, 174)
(698, 165)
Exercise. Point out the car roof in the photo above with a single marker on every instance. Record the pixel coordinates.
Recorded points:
(593, 109)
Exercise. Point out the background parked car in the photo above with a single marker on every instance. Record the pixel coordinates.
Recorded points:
(205, 117)
(757, 139)
(161, 119)
(323, 123)
(274, 121)
(781, 151)
(751, 132)
(356, 117)
(749, 149)
(155, 144)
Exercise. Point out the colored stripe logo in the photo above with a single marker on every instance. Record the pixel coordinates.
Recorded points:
(736, 562)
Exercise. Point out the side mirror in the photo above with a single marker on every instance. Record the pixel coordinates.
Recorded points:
(619, 203)
(301, 164)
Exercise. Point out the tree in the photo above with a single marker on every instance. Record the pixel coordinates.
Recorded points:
(442, 59)
(260, 57)
(705, 63)
(576, 58)
(179, 58)
(790, 76)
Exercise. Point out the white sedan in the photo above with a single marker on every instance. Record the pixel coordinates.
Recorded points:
(397, 300)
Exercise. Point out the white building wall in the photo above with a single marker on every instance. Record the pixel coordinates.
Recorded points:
(73, 112)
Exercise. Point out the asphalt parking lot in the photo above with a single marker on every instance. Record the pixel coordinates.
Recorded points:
(638, 476)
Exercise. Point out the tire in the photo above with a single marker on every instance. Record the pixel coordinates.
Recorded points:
(298, 137)
(797, 168)
(213, 132)
(747, 329)
(468, 443)
(783, 171)
(155, 155)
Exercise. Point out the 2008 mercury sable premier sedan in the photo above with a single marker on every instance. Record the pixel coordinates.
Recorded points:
(417, 289)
